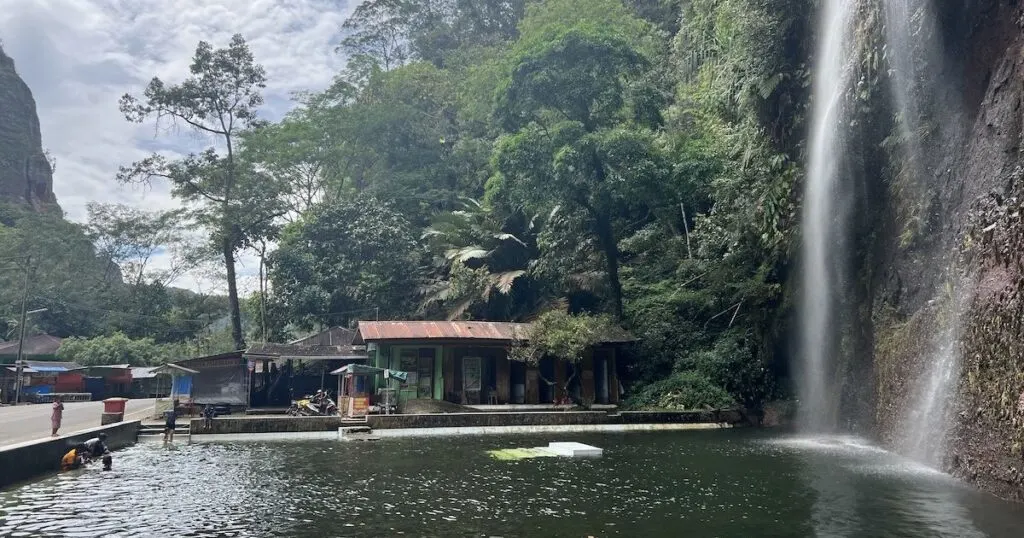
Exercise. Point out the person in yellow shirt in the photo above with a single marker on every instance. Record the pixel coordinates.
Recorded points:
(73, 459)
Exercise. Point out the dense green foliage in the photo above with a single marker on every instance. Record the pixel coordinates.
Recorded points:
(114, 349)
(580, 162)
(96, 280)
(344, 261)
(635, 159)
(562, 336)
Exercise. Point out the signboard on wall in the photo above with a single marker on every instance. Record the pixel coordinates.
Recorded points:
(358, 406)
(407, 362)
(471, 376)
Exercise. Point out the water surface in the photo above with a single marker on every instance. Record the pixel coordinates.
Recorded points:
(738, 483)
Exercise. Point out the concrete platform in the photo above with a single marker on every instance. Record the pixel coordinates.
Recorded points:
(575, 450)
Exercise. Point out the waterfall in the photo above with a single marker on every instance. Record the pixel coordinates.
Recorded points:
(926, 422)
(823, 219)
(921, 94)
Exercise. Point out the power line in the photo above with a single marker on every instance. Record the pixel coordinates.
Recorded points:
(81, 306)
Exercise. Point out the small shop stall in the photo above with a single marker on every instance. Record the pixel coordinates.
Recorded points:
(355, 385)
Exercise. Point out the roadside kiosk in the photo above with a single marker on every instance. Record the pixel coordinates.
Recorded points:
(354, 385)
(354, 388)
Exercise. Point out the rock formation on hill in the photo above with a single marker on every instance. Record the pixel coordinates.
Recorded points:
(26, 176)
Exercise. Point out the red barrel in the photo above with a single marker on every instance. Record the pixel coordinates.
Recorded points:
(114, 405)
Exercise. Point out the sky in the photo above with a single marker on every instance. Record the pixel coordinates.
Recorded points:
(80, 56)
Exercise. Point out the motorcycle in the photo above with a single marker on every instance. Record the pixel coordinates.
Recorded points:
(300, 408)
(317, 405)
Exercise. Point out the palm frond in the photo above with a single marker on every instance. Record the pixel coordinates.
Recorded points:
(460, 307)
(509, 237)
(503, 281)
(465, 254)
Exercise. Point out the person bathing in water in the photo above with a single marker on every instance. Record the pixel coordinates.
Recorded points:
(169, 425)
(74, 458)
(96, 447)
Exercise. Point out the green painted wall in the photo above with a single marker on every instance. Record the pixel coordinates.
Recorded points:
(392, 360)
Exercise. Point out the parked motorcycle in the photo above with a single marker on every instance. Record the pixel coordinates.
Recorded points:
(316, 405)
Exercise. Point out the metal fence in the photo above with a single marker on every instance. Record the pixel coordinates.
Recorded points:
(65, 396)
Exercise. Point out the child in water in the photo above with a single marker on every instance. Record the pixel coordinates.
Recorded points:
(108, 462)
(73, 459)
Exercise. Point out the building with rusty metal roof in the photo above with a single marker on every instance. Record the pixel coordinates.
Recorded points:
(467, 362)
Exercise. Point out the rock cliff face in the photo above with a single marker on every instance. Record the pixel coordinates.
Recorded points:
(25, 173)
(973, 215)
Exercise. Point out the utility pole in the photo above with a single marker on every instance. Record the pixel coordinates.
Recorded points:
(19, 365)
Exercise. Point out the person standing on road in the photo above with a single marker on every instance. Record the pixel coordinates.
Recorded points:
(57, 415)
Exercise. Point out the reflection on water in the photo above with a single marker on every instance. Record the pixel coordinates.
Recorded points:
(730, 483)
(855, 481)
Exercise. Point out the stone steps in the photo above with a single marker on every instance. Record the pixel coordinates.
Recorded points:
(159, 437)
(180, 428)
(155, 433)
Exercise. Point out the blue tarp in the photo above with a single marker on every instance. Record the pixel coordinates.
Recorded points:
(183, 385)
(96, 387)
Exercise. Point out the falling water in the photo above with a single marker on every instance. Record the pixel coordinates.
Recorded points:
(920, 91)
(823, 219)
(927, 419)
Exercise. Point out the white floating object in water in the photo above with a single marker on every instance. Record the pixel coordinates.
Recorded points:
(575, 450)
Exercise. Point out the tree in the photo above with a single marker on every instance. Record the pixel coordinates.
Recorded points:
(378, 31)
(345, 260)
(65, 274)
(387, 34)
(218, 101)
(476, 259)
(116, 349)
(130, 238)
(576, 140)
(299, 153)
(564, 337)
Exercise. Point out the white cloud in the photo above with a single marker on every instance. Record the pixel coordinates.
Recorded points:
(80, 56)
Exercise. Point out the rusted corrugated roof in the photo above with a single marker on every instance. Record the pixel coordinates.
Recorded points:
(441, 330)
(502, 331)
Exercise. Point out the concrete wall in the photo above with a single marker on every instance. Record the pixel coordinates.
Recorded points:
(565, 428)
(275, 424)
(25, 461)
(551, 418)
(727, 416)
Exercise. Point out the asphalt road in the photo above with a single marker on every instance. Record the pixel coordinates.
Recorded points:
(30, 422)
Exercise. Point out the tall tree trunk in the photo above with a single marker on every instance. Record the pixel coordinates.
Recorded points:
(236, 315)
(230, 234)
(606, 235)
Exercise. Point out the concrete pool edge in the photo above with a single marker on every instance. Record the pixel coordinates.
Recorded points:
(267, 436)
(397, 433)
(564, 428)
(26, 461)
